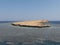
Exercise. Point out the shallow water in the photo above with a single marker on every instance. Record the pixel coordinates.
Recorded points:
(15, 35)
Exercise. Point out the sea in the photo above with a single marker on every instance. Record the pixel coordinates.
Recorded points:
(16, 35)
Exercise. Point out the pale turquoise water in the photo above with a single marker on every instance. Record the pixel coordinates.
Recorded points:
(34, 36)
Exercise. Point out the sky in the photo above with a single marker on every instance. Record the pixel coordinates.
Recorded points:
(16, 10)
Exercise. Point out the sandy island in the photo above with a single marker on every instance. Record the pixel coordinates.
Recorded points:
(33, 23)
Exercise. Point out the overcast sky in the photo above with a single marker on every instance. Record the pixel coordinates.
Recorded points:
(29, 10)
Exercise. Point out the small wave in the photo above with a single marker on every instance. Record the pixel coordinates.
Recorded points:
(41, 42)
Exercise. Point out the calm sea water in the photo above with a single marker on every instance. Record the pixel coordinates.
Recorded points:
(15, 35)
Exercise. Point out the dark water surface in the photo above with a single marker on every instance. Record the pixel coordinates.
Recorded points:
(15, 35)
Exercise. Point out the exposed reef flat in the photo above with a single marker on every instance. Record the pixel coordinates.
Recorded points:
(33, 23)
